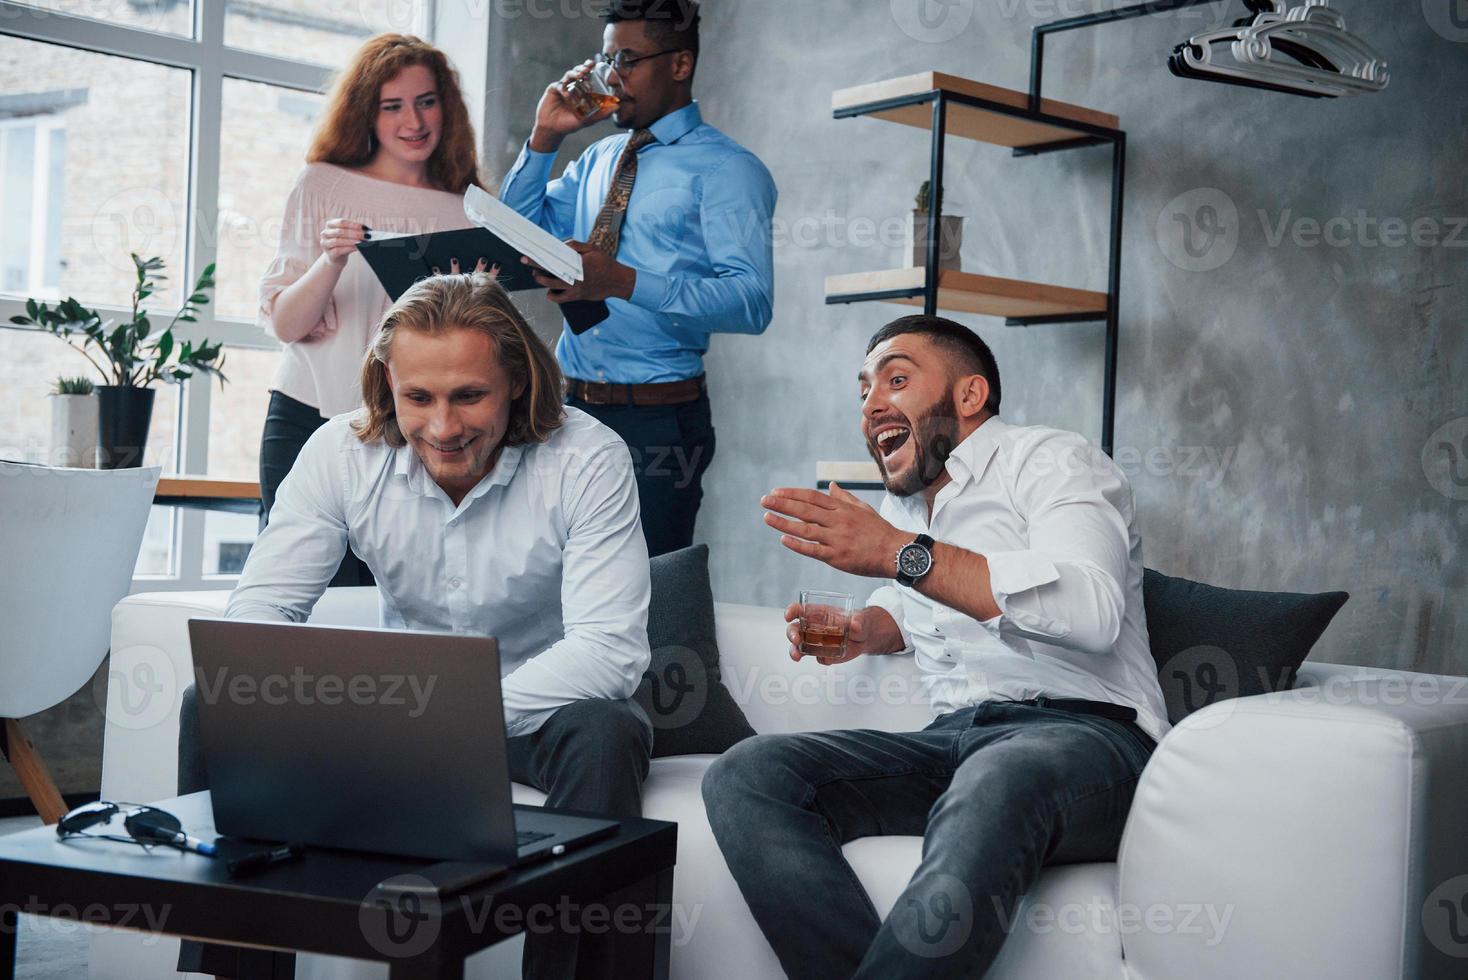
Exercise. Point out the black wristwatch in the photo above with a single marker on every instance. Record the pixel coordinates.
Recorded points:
(915, 560)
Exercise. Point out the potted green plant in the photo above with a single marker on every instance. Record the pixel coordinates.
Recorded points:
(950, 233)
(73, 423)
(134, 357)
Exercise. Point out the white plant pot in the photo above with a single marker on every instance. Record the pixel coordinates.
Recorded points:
(73, 431)
(950, 238)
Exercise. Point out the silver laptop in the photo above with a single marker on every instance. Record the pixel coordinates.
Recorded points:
(365, 739)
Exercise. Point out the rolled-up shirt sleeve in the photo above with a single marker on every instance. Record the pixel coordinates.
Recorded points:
(292, 561)
(605, 589)
(1066, 588)
(888, 598)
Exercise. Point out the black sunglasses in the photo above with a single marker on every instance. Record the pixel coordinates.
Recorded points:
(145, 825)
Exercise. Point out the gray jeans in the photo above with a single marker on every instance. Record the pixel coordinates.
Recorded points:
(995, 791)
(590, 755)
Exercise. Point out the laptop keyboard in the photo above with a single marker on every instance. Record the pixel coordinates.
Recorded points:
(525, 837)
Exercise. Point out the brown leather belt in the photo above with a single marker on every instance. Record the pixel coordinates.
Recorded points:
(663, 393)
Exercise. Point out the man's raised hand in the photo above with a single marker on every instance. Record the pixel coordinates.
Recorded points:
(555, 118)
(835, 528)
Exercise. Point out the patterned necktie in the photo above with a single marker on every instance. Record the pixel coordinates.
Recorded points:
(608, 228)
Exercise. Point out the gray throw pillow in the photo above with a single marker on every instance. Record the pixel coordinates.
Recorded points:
(682, 691)
(1212, 644)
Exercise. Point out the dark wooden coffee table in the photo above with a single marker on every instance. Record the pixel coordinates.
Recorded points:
(324, 903)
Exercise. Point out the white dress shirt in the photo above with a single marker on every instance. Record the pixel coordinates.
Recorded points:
(1054, 516)
(546, 554)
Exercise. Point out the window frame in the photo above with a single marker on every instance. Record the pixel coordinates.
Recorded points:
(44, 126)
(210, 61)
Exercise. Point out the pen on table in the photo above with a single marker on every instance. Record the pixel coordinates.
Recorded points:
(184, 842)
(261, 859)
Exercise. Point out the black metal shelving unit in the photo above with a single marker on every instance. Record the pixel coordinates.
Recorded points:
(1082, 135)
(1090, 135)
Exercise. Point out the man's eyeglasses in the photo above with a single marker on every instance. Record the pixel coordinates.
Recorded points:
(145, 825)
(621, 61)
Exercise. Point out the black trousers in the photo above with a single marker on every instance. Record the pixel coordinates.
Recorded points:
(672, 446)
(288, 424)
(591, 755)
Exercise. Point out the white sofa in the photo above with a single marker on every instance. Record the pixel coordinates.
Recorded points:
(1316, 833)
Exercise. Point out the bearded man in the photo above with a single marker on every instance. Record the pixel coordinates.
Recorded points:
(1018, 590)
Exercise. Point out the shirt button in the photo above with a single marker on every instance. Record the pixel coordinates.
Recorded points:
(596, 331)
(454, 522)
(455, 583)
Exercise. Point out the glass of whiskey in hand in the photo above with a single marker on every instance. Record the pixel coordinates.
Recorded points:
(592, 92)
(824, 617)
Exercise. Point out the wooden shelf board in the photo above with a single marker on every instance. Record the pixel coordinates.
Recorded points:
(207, 487)
(969, 121)
(848, 471)
(968, 292)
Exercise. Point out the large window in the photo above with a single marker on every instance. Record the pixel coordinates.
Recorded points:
(32, 182)
(30, 363)
(96, 165)
(325, 32)
(267, 129)
(162, 16)
(237, 413)
(169, 128)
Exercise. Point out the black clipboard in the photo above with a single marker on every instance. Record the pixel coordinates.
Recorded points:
(402, 261)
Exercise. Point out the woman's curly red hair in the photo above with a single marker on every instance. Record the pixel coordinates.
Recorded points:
(345, 134)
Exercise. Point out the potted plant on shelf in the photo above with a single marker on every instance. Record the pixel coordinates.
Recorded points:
(950, 233)
(73, 423)
(134, 358)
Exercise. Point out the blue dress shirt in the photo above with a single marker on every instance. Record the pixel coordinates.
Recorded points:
(697, 230)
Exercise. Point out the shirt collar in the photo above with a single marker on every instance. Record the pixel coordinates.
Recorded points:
(677, 124)
(966, 463)
(969, 458)
(407, 465)
(504, 471)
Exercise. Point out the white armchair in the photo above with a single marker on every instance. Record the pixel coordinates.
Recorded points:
(69, 541)
(1316, 831)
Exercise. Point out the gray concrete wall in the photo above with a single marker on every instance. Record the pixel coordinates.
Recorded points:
(535, 45)
(1279, 414)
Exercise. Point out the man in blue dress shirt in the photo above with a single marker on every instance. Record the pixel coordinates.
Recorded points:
(673, 223)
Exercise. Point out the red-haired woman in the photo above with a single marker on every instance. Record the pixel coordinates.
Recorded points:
(394, 152)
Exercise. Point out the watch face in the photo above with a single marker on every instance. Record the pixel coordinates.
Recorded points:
(913, 561)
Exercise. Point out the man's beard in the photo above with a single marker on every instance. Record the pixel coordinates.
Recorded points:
(934, 436)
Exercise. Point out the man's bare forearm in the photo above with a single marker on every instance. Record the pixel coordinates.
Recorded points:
(883, 635)
(960, 580)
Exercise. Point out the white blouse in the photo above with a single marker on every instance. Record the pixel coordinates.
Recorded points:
(323, 369)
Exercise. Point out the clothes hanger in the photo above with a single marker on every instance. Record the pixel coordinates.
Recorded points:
(1304, 51)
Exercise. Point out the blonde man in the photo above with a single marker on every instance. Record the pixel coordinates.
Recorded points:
(482, 505)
